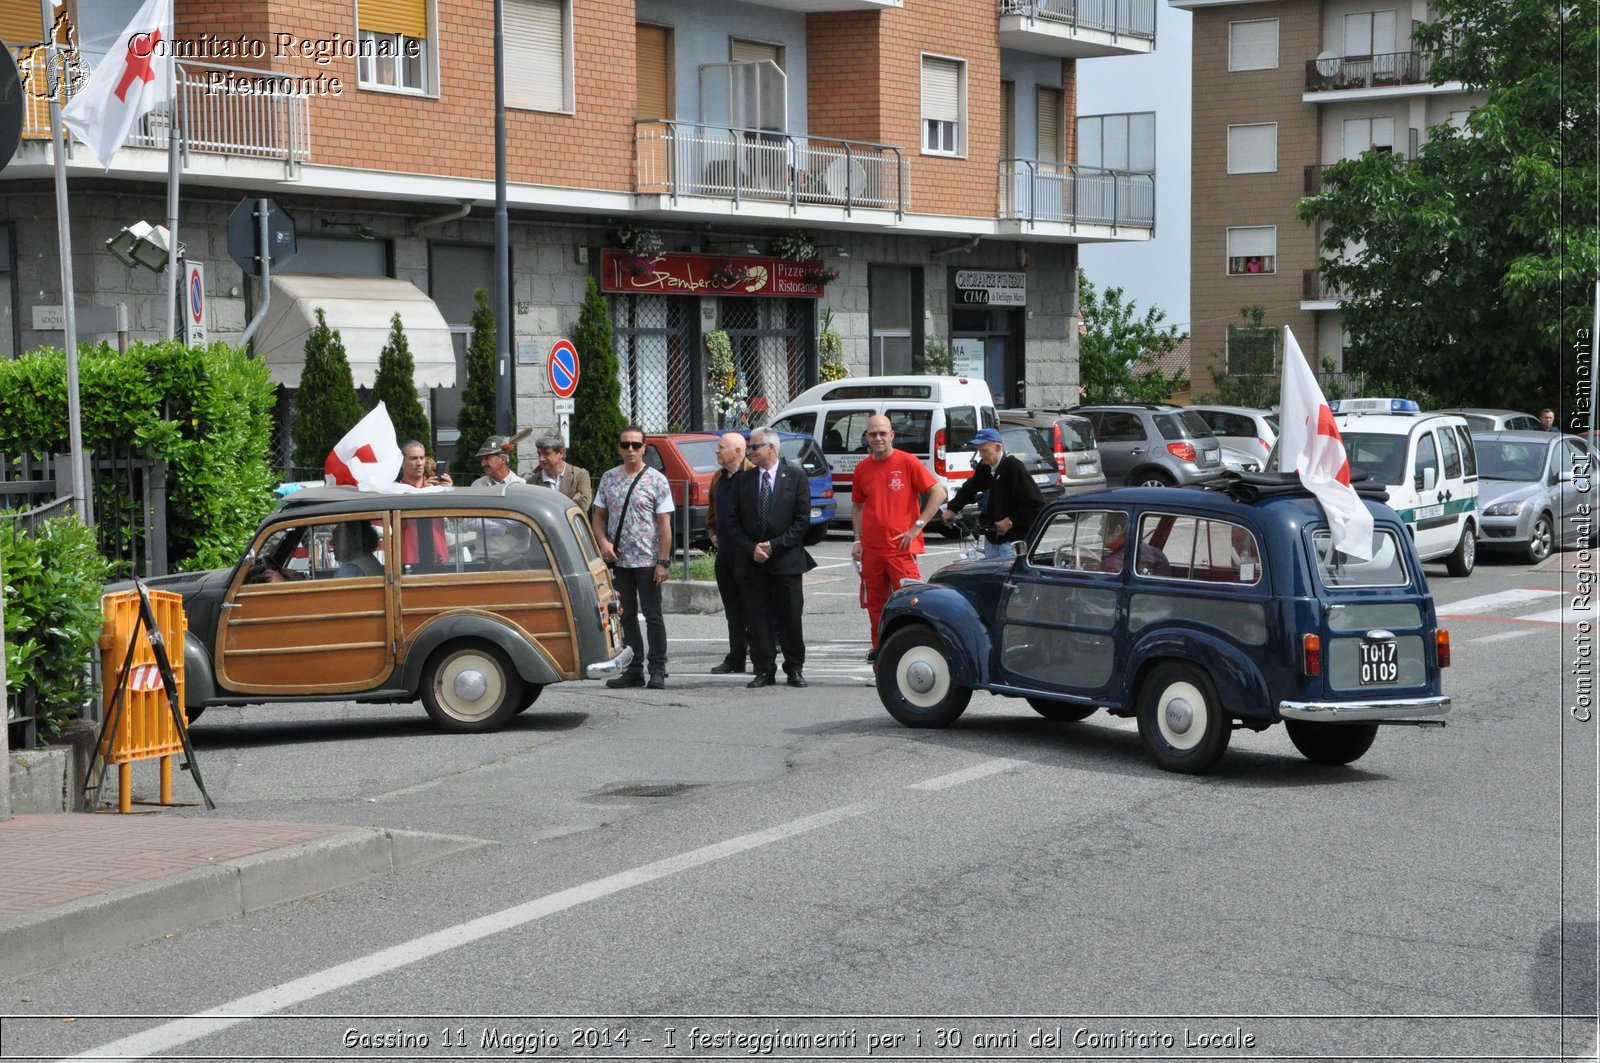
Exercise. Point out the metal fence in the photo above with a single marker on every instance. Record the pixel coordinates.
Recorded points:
(1035, 191)
(1333, 73)
(721, 162)
(129, 503)
(1129, 18)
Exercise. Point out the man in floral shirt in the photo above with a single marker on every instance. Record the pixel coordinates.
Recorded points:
(632, 518)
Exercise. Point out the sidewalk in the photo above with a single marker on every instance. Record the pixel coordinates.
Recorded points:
(82, 884)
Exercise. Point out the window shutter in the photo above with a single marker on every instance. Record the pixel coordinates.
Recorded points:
(19, 23)
(652, 68)
(1008, 123)
(754, 52)
(1253, 45)
(1048, 123)
(535, 39)
(1256, 242)
(409, 17)
(941, 90)
(1253, 148)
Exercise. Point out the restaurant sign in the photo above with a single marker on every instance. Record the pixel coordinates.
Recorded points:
(688, 274)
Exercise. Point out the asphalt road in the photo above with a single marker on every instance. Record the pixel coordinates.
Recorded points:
(813, 872)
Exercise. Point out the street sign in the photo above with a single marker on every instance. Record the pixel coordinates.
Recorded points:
(12, 106)
(244, 233)
(194, 302)
(562, 369)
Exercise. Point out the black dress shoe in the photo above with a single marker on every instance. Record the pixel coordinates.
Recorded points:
(726, 668)
(763, 679)
(658, 681)
(797, 680)
(626, 679)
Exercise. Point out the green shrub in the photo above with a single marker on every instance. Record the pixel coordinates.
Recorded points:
(598, 418)
(476, 419)
(396, 388)
(325, 405)
(51, 582)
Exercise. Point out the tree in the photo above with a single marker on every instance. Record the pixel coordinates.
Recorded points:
(325, 406)
(1117, 356)
(476, 421)
(396, 388)
(1466, 271)
(598, 418)
(1246, 373)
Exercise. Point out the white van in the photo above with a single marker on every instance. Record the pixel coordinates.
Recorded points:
(1427, 463)
(934, 417)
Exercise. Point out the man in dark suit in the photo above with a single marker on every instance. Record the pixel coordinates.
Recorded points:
(772, 509)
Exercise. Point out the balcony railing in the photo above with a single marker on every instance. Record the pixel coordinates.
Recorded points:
(1130, 18)
(1313, 289)
(224, 110)
(1314, 180)
(720, 162)
(1367, 71)
(1035, 191)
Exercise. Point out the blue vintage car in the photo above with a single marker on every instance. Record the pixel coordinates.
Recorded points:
(1230, 609)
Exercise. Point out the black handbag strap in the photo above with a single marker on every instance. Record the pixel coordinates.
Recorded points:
(623, 512)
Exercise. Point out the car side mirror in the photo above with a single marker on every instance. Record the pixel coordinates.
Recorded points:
(1429, 477)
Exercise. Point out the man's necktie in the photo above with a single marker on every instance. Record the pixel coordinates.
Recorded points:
(765, 501)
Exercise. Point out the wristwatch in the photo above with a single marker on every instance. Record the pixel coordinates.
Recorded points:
(663, 562)
(919, 524)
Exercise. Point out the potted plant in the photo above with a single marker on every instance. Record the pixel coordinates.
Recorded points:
(722, 380)
(729, 275)
(830, 350)
(644, 247)
(822, 275)
(795, 245)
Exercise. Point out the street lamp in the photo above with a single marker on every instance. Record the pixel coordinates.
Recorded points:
(143, 244)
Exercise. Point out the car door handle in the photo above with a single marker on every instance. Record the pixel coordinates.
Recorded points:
(233, 605)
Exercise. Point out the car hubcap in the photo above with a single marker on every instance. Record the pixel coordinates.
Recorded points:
(922, 677)
(470, 685)
(1179, 716)
(1182, 716)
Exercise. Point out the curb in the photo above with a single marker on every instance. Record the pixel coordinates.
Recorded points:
(92, 926)
(690, 596)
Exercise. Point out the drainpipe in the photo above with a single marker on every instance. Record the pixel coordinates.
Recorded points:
(439, 219)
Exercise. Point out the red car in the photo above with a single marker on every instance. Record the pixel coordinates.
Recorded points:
(686, 459)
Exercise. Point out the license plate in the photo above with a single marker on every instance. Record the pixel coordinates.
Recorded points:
(1086, 467)
(1380, 662)
(1212, 455)
(816, 514)
(1043, 478)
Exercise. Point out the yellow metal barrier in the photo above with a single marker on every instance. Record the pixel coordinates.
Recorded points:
(144, 727)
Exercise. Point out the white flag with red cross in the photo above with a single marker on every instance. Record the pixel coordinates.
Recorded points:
(368, 456)
(1311, 445)
(133, 79)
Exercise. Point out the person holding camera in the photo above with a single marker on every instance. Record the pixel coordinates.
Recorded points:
(1006, 495)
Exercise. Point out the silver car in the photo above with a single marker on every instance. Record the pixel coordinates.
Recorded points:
(1528, 492)
(1241, 428)
(1499, 420)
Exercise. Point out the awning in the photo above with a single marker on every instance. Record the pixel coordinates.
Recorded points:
(360, 308)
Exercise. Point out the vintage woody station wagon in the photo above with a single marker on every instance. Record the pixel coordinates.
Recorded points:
(473, 599)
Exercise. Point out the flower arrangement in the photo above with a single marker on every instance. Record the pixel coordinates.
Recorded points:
(795, 246)
(721, 377)
(644, 248)
(830, 348)
(729, 275)
(822, 275)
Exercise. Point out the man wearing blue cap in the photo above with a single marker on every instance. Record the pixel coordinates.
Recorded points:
(1007, 497)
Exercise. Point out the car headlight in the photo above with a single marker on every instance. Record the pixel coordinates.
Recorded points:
(1504, 509)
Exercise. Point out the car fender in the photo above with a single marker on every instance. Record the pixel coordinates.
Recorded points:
(967, 644)
(529, 661)
(199, 681)
(1238, 680)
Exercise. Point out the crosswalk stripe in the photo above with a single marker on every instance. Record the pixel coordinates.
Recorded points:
(1486, 603)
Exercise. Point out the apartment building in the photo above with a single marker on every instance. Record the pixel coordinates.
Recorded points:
(1282, 89)
(925, 149)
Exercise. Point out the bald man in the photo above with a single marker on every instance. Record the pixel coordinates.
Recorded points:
(720, 515)
(888, 514)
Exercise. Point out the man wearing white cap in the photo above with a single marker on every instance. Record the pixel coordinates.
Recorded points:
(1007, 497)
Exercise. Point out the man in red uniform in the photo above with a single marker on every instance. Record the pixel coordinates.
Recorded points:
(889, 514)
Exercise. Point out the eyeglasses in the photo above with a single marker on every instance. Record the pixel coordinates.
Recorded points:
(631, 444)
(758, 446)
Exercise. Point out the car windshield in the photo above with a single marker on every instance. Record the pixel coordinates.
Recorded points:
(1335, 569)
(806, 454)
(1500, 459)
(701, 454)
(1381, 457)
(1076, 433)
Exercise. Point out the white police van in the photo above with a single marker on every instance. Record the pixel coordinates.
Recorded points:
(1427, 463)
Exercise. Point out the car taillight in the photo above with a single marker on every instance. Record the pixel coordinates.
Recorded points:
(1441, 639)
(1181, 451)
(939, 465)
(1061, 448)
(694, 491)
(1311, 654)
(828, 493)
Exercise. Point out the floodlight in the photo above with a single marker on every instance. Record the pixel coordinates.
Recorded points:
(143, 244)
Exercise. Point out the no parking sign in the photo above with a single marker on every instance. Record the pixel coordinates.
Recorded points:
(562, 369)
(194, 303)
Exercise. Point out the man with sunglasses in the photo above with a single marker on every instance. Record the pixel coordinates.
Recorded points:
(632, 519)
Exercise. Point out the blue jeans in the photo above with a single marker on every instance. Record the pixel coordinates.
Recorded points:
(992, 550)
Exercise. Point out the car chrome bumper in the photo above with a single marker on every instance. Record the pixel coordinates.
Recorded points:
(614, 667)
(1358, 711)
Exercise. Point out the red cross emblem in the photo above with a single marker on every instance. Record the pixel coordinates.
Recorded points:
(141, 46)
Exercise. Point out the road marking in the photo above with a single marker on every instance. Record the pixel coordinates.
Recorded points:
(977, 771)
(1503, 636)
(1486, 603)
(169, 1035)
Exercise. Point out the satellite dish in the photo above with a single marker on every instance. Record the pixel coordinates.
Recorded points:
(1328, 64)
(844, 170)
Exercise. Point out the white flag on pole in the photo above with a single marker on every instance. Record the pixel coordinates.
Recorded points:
(133, 79)
(1310, 444)
(368, 456)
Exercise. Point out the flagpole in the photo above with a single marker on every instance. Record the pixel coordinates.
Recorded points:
(68, 296)
(172, 197)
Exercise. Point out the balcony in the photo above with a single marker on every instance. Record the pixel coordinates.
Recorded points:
(224, 110)
(751, 167)
(1078, 29)
(1034, 192)
(1316, 293)
(1313, 185)
(1407, 72)
(829, 5)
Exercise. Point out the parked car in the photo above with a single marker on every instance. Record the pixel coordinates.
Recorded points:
(494, 594)
(1242, 428)
(1235, 611)
(1154, 445)
(1072, 438)
(688, 460)
(1498, 420)
(1032, 449)
(1529, 496)
(1235, 460)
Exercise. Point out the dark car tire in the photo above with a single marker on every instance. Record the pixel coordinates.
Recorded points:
(530, 694)
(1181, 720)
(915, 682)
(469, 687)
(1542, 540)
(1465, 556)
(1151, 478)
(1331, 743)
(815, 534)
(193, 714)
(1060, 711)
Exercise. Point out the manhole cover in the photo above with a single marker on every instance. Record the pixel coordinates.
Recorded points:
(650, 789)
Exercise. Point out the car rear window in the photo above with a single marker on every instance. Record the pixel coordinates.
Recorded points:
(1076, 433)
(912, 429)
(845, 431)
(1335, 569)
(701, 454)
(1027, 443)
(960, 425)
(1183, 425)
(806, 454)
